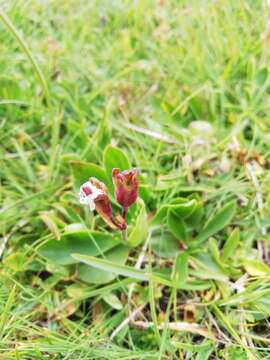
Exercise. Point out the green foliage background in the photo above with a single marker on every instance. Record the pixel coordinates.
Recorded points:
(78, 78)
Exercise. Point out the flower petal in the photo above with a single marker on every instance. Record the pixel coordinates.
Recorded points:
(126, 186)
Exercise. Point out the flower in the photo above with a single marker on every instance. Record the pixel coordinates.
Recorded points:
(126, 187)
(94, 193)
(89, 193)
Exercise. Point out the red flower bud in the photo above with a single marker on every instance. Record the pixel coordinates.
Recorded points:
(94, 193)
(126, 187)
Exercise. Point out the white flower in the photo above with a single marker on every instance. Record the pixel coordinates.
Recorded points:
(88, 197)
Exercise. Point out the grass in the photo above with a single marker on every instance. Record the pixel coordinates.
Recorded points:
(76, 76)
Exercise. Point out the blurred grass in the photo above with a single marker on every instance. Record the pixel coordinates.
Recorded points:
(157, 65)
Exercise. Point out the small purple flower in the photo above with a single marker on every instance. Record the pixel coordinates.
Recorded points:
(126, 187)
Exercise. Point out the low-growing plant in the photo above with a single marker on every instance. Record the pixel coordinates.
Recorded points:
(175, 231)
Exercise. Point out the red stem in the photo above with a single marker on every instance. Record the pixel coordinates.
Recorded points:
(124, 213)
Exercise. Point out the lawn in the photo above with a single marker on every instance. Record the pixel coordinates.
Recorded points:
(179, 90)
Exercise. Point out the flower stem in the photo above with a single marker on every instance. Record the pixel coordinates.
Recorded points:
(124, 235)
(124, 213)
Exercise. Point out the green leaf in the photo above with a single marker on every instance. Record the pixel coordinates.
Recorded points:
(160, 215)
(176, 225)
(261, 76)
(214, 249)
(111, 267)
(64, 271)
(50, 220)
(261, 306)
(114, 157)
(80, 241)
(89, 274)
(145, 192)
(139, 232)
(77, 290)
(207, 268)
(193, 221)
(82, 171)
(182, 206)
(123, 270)
(217, 222)
(230, 245)
(138, 274)
(112, 300)
(256, 268)
(180, 269)
(16, 261)
(195, 285)
(164, 245)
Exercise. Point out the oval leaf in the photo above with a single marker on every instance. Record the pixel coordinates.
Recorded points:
(176, 225)
(217, 222)
(82, 171)
(114, 157)
(256, 268)
(230, 245)
(193, 221)
(183, 209)
(112, 300)
(82, 242)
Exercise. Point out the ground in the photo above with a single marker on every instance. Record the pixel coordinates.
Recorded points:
(180, 90)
